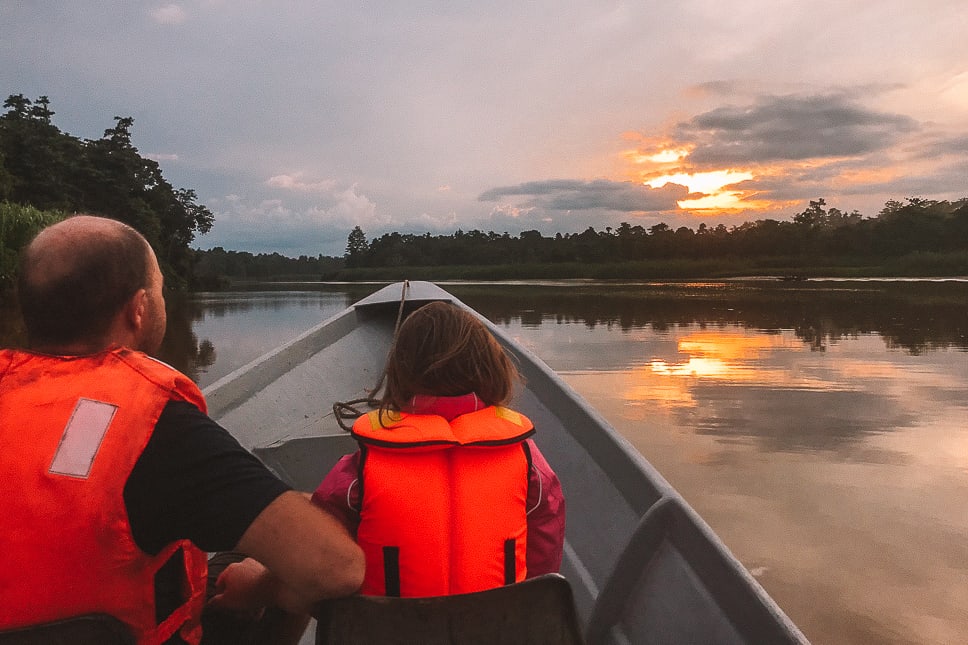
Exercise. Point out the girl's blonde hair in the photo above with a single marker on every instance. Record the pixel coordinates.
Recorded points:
(443, 350)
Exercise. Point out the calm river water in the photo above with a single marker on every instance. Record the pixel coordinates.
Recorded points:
(820, 428)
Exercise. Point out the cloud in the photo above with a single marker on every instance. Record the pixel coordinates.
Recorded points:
(290, 227)
(577, 195)
(789, 128)
(942, 145)
(295, 183)
(161, 156)
(170, 14)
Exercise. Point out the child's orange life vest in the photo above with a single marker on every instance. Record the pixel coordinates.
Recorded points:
(444, 505)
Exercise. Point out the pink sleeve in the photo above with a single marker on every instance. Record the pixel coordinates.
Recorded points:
(546, 519)
(338, 493)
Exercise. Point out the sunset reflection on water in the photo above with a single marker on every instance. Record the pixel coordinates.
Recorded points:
(839, 478)
(728, 354)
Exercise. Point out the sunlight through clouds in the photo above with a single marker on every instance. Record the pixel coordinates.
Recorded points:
(710, 182)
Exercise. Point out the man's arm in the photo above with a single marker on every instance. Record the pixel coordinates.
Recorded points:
(194, 481)
(309, 553)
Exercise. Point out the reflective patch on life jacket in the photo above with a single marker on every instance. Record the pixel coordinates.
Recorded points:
(82, 438)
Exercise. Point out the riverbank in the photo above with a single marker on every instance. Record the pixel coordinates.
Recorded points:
(914, 265)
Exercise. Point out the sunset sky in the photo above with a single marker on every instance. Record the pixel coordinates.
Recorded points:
(296, 121)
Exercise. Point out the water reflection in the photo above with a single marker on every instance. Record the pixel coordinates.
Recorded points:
(914, 317)
(216, 333)
(786, 369)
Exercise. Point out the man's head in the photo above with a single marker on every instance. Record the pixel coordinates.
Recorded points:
(88, 282)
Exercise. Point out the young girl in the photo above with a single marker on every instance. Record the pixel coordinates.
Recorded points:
(447, 494)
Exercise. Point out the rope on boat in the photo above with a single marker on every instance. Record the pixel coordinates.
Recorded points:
(346, 412)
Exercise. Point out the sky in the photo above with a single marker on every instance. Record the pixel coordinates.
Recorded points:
(296, 121)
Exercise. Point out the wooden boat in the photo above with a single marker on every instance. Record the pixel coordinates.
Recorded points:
(643, 566)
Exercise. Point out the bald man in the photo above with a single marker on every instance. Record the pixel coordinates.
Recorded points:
(117, 480)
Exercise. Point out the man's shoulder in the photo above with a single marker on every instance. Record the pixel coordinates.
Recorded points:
(144, 362)
(161, 374)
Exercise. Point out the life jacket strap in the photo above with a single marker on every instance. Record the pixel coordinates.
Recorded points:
(391, 570)
(510, 560)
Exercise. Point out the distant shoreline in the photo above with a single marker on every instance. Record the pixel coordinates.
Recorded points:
(936, 266)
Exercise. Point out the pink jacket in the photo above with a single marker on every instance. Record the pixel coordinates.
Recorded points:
(339, 493)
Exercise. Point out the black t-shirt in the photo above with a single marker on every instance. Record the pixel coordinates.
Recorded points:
(194, 481)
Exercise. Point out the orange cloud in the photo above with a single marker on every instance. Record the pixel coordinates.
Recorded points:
(657, 162)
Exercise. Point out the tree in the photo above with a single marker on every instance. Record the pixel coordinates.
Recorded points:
(814, 217)
(42, 167)
(356, 247)
(39, 159)
(6, 179)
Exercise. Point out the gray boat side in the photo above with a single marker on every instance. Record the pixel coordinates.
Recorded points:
(644, 567)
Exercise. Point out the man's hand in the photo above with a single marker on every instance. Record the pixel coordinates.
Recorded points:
(309, 553)
(243, 588)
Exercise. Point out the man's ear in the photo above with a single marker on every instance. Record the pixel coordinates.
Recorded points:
(135, 310)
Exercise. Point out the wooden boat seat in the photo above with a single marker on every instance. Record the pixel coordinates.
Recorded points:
(94, 629)
(538, 611)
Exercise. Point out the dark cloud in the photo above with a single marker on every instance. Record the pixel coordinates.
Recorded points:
(940, 182)
(791, 128)
(575, 195)
(721, 87)
(938, 145)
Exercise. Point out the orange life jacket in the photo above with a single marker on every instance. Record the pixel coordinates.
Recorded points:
(443, 507)
(71, 430)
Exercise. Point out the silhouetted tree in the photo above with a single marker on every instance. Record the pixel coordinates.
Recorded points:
(41, 166)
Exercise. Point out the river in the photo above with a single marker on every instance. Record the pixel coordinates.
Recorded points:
(819, 427)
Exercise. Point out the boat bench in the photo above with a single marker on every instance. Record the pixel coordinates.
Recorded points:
(539, 611)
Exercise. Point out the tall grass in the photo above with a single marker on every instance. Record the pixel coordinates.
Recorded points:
(18, 224)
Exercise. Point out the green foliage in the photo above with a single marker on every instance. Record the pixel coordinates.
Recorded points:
(212, 267)
(18, 225)
(41, 166)
(819, 236)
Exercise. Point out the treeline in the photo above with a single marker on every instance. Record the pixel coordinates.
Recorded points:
(214, 267)
(914, 237)
(44, 169)
(926, 228)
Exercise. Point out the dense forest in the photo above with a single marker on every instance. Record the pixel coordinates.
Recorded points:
(215, 266)
(46, 174)
(923, 231)
(914, 237)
